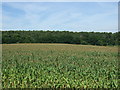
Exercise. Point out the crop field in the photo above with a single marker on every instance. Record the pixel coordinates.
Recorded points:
(59, 66)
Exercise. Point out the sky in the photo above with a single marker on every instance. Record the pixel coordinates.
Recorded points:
(62, 16)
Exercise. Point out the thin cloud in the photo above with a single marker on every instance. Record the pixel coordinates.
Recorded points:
(60, 16)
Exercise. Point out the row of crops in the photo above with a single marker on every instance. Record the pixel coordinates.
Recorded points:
(59, 66)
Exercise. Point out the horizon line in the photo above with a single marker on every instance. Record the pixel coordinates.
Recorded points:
(59, 30)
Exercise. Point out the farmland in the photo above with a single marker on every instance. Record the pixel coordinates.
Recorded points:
(59, 66)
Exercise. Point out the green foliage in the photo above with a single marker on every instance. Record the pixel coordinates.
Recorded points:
(85, 38)
(59, 66)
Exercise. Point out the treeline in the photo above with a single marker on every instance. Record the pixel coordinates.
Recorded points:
(85, 38)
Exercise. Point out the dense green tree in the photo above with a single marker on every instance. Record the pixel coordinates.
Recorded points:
(85, 38)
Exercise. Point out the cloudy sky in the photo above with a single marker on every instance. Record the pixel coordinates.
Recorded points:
(68, 16)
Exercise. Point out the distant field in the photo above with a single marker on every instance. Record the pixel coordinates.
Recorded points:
(59, 66)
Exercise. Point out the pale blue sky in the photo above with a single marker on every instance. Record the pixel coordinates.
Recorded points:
(68, 16)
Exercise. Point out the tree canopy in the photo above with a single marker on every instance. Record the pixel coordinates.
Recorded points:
(85, 38)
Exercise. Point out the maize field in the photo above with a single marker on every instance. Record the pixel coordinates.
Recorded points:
(59, 66)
